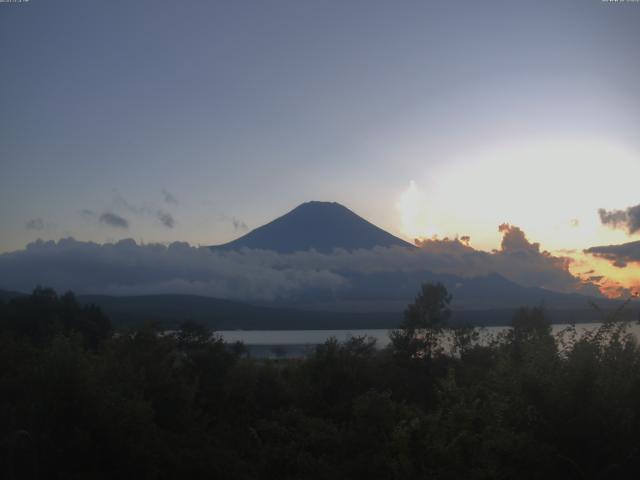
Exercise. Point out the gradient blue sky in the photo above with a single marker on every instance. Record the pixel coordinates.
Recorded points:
(242, 110)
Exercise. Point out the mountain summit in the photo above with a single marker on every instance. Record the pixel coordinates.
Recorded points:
(322, 226)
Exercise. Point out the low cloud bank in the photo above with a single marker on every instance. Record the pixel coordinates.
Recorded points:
(518, 260)
(125, 267)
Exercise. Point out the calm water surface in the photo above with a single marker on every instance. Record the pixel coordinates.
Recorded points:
(294, 343)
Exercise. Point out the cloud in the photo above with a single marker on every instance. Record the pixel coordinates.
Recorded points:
(126, 268)
(381, 273)
(166, 219)
(239, 225)
(613, 288)
(169, 198)
(114, 220)
(518, 260)
(514, 239)
(618, 255)
(121, 203)
(628, 219)
(34, 224)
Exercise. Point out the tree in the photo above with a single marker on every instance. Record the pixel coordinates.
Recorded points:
(423, 321)
(531, 333)
(192, 334)
(43, 314)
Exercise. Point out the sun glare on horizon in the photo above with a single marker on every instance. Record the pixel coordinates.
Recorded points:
(413, 206)
(551, 189)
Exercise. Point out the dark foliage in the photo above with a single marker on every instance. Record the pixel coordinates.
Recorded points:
(424, 320)
(43, 315)
(77, 401)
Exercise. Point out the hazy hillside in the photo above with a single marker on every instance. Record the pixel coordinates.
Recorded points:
(377, 301)
(171, 310)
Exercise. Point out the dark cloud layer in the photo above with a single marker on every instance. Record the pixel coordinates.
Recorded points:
(114, 220)
(618, 255)
(628, 219)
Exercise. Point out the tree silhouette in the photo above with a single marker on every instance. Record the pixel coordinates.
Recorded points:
(424, 320)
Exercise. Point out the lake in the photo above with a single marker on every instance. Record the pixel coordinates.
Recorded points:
(298, 343)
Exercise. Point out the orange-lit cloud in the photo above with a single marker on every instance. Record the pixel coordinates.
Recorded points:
(612, 281)
(517, 258)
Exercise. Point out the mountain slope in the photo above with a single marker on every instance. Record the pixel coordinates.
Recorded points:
(322, 226)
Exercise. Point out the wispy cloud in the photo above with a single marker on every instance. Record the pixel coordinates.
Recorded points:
(239, 225)
(113, 216)
(121, 203)
(114, 220)
(169, 197)
(34, 224)
(166, 219)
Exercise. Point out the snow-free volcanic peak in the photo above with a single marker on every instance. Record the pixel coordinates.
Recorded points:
(322, 226)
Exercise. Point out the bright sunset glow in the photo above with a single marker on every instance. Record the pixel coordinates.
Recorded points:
(552, 190)
(508, 127)
(414, 213)
(541, 186)
(320, 239)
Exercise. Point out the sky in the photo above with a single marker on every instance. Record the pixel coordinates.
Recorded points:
(197, 121)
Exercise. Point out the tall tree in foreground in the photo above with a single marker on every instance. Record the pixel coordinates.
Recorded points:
(424, 320)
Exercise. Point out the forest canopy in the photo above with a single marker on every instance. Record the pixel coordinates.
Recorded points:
(79, 400)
